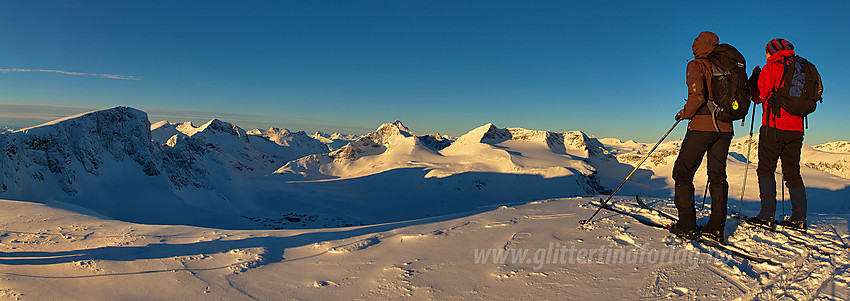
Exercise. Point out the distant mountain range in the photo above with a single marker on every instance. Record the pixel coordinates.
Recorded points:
(115, 163)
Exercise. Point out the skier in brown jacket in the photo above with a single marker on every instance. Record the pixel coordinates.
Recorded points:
(705, 137)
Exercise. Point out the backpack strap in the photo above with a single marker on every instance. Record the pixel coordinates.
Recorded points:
(787, 62)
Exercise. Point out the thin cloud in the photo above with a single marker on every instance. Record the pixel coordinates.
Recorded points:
(103, 75)
(21, 115)
(29, 117)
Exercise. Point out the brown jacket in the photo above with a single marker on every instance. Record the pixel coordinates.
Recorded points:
(698, 79)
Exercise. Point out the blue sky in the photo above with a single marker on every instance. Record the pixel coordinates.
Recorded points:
(611, 69)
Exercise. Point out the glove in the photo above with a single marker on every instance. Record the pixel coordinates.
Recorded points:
(754, 78)
(679, 115)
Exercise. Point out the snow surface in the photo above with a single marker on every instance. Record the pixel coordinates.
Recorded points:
(105, 205)
(50, 253)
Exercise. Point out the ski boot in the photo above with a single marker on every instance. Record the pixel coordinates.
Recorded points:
(758, 221)
(686, 235)
(714, 233)
(799, 225)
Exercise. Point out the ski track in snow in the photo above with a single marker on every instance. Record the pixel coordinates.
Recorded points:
(804, 274)
(416, 261)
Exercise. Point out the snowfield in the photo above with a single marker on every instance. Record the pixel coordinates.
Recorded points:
(106, 205)
(51, 253)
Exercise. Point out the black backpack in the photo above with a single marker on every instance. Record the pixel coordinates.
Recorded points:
(730, 87)
(801, 88)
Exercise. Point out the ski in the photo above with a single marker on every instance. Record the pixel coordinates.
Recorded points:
(797, 235)
(812, 236)
(734, 251)
(586, 221)
(809, 245)
(641, 219)
(804, 241)
(791, 237)
(722, 246)
(662, 213)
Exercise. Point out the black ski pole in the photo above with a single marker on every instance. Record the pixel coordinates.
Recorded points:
(747, 169)
(704, 193)
(585, 221)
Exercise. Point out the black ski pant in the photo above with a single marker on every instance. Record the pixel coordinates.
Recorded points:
(785, 146)
(695, 146)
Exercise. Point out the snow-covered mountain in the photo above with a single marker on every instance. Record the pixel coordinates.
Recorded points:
(431, 202)
(484, 149)
(492, 160)
(830, 158)
(92, 160)
(299, 143)
(116, 163)
(164, 130)
(334, 141)
(835, 147)
(111, 162)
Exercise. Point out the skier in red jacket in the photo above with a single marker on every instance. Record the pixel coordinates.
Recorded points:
(780, 136)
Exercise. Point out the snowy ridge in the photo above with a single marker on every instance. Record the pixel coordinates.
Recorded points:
(393, 141)
(295, 141)
(484, 150)
(217, 169)
(832, 158)
(90, 160)
(217, 154)
(389, 147)
(55, 154)
(163, 130)
(829, 157)
(825, 157)
(436, 141)
(216, 126)
(376, 142)
(835, 147)
(334, 141)
(94, 158)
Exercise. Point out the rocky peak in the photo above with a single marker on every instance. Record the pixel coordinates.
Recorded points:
(374, 142)
(387, 130)
(493, 134)
(216, 127)
(436, 141)
(89, 140)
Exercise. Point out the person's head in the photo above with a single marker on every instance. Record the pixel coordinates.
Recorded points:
(704, 44)
(777, 45)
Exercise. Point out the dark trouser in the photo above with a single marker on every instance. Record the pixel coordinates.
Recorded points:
(781, 145)
(698, 144)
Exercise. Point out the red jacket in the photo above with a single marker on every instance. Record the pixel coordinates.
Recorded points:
(769, 80)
